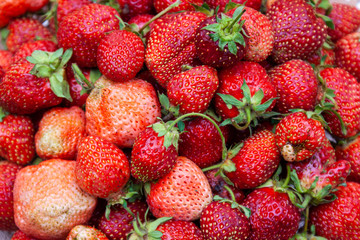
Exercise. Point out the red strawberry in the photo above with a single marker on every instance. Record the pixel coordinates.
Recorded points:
(150, 159)
(339, 219)
(319, 54)
(28, 48)
(182, 194)
(17, 139)
(101, 169)
(193, 90)
(179, 230)
(296, 86)
(35, 5)
(171, 44)
(256, 161)
(65, 7)
(351, 152)
(347, 98)
(8, 173)
(273, 216)
(347, 51)
(11, 8)
(255, 4)
(185, 5)
(120, 55)
(118, 112)
(85, 232)
(19, 235)
(299, 137)
(119, 223)
(83, 29)
(132, 8)
(140, 20)
(5, 59)
(78, 96)
(294, 40)
(201, 143)
(23, 30)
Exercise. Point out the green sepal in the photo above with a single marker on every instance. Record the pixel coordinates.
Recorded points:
(4, 33)
(326, 5)
(164, 101)
(86, 85)
(155, 235)
(246, 91)
(328, 21)
(230, 5)
(147, 188)
(153, 225)
(296, 181)
(265, 105)
(95, 74)
(3, 114)
(60, 87)
(229, 166)
(181, 126)
(37, 161)
(160, 128)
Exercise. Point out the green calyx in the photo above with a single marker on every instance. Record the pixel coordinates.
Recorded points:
(52, 65)
(250, 108)
(3, 114)
(228, 30)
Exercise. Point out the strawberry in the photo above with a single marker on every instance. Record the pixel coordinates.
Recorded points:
(185, 5)
(221, 39)
(9, 9)
(57, 203)
(8, 172)
(225, 219)
(28, 48)
(347, 99)
(193, 90)
(119, 223)
(5, 59)
(261, 36)
(179, 230)
(296, 86)
(255, 4)
(351, 152)
(245, 93)
(171, 44)
(298, 136)
(83, 29)
(256, 161)
(182, 194)
(118, 112)
(132, 8)
(23, 30)
(347, 52)
(60, 132)
(35, 5)
(19, 235)
(273, 216)
(201, 143)
(17, 139)
(140, 20)
(85, 232)
(102, 169)
(65, 7)
(120, 55)
(339, 219)
(316, 58)
(76, 90)
(294, 40)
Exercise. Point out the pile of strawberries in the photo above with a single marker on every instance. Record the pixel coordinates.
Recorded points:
(194, 119)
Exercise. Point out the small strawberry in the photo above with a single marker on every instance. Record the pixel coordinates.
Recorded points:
(193, 89)
(120, 55)
(83, 29)
(182, 194)
(185, 5)
(23, 30)
(298, 136)
(19, 235)
(351, 152)
(28, 48)
(57, 203)
(171, 44)
(8, 172)
(102, 169)
(339, 219)
(85, 232)
(17, 138)
(294, 40)
(296, 86)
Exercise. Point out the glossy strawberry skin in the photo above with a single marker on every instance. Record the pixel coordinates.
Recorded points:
(132, 8)
(296, 86)
(8, 171)
(66, 7)
(294, 40)
(255, 4)
(347, 91)
(351, 153)
(119, 224)
(339, 219)
(150, 159)
(120, 55)
(299, 137)
(83, 29)
(265, 224)
(17, 139)
(179, 230)
(193, 90)
(101, 169)
(185, 5)
(256, 161)
(28, 48)
(24, 93)
(165, 60)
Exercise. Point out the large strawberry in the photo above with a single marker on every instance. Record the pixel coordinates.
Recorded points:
(339, 219)
(118, 112)
(292, 39)
(182, 194)
(171, 44)
(83, 29)
(351, 152)
(101, 169)
(57, 203)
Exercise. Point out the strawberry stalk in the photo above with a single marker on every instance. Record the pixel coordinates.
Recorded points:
(86, 85)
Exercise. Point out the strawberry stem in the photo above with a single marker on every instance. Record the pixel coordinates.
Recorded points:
(81, 79)
(230, 192)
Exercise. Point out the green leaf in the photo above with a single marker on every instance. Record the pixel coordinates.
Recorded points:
(217, 198)
(41, 71)
(325, 4)
(246, 211)
(222, 43)
(328, 21)
(239, 38)
(229, 166)
(230, 5)
(160, 128)
(258, 97)
(66, 57)
(60, 88)
(227, 121)
(246, 92)
(238, 12)
(153, 225)
(212, 27)
(264, 106)
(155, 235)
(181, 126)
(232, 47)
(95, 74)
(40, 56)
(3, 114)
(31, 59)
(164, 101)
(231, 100)
(56, 55)
(215, 36)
